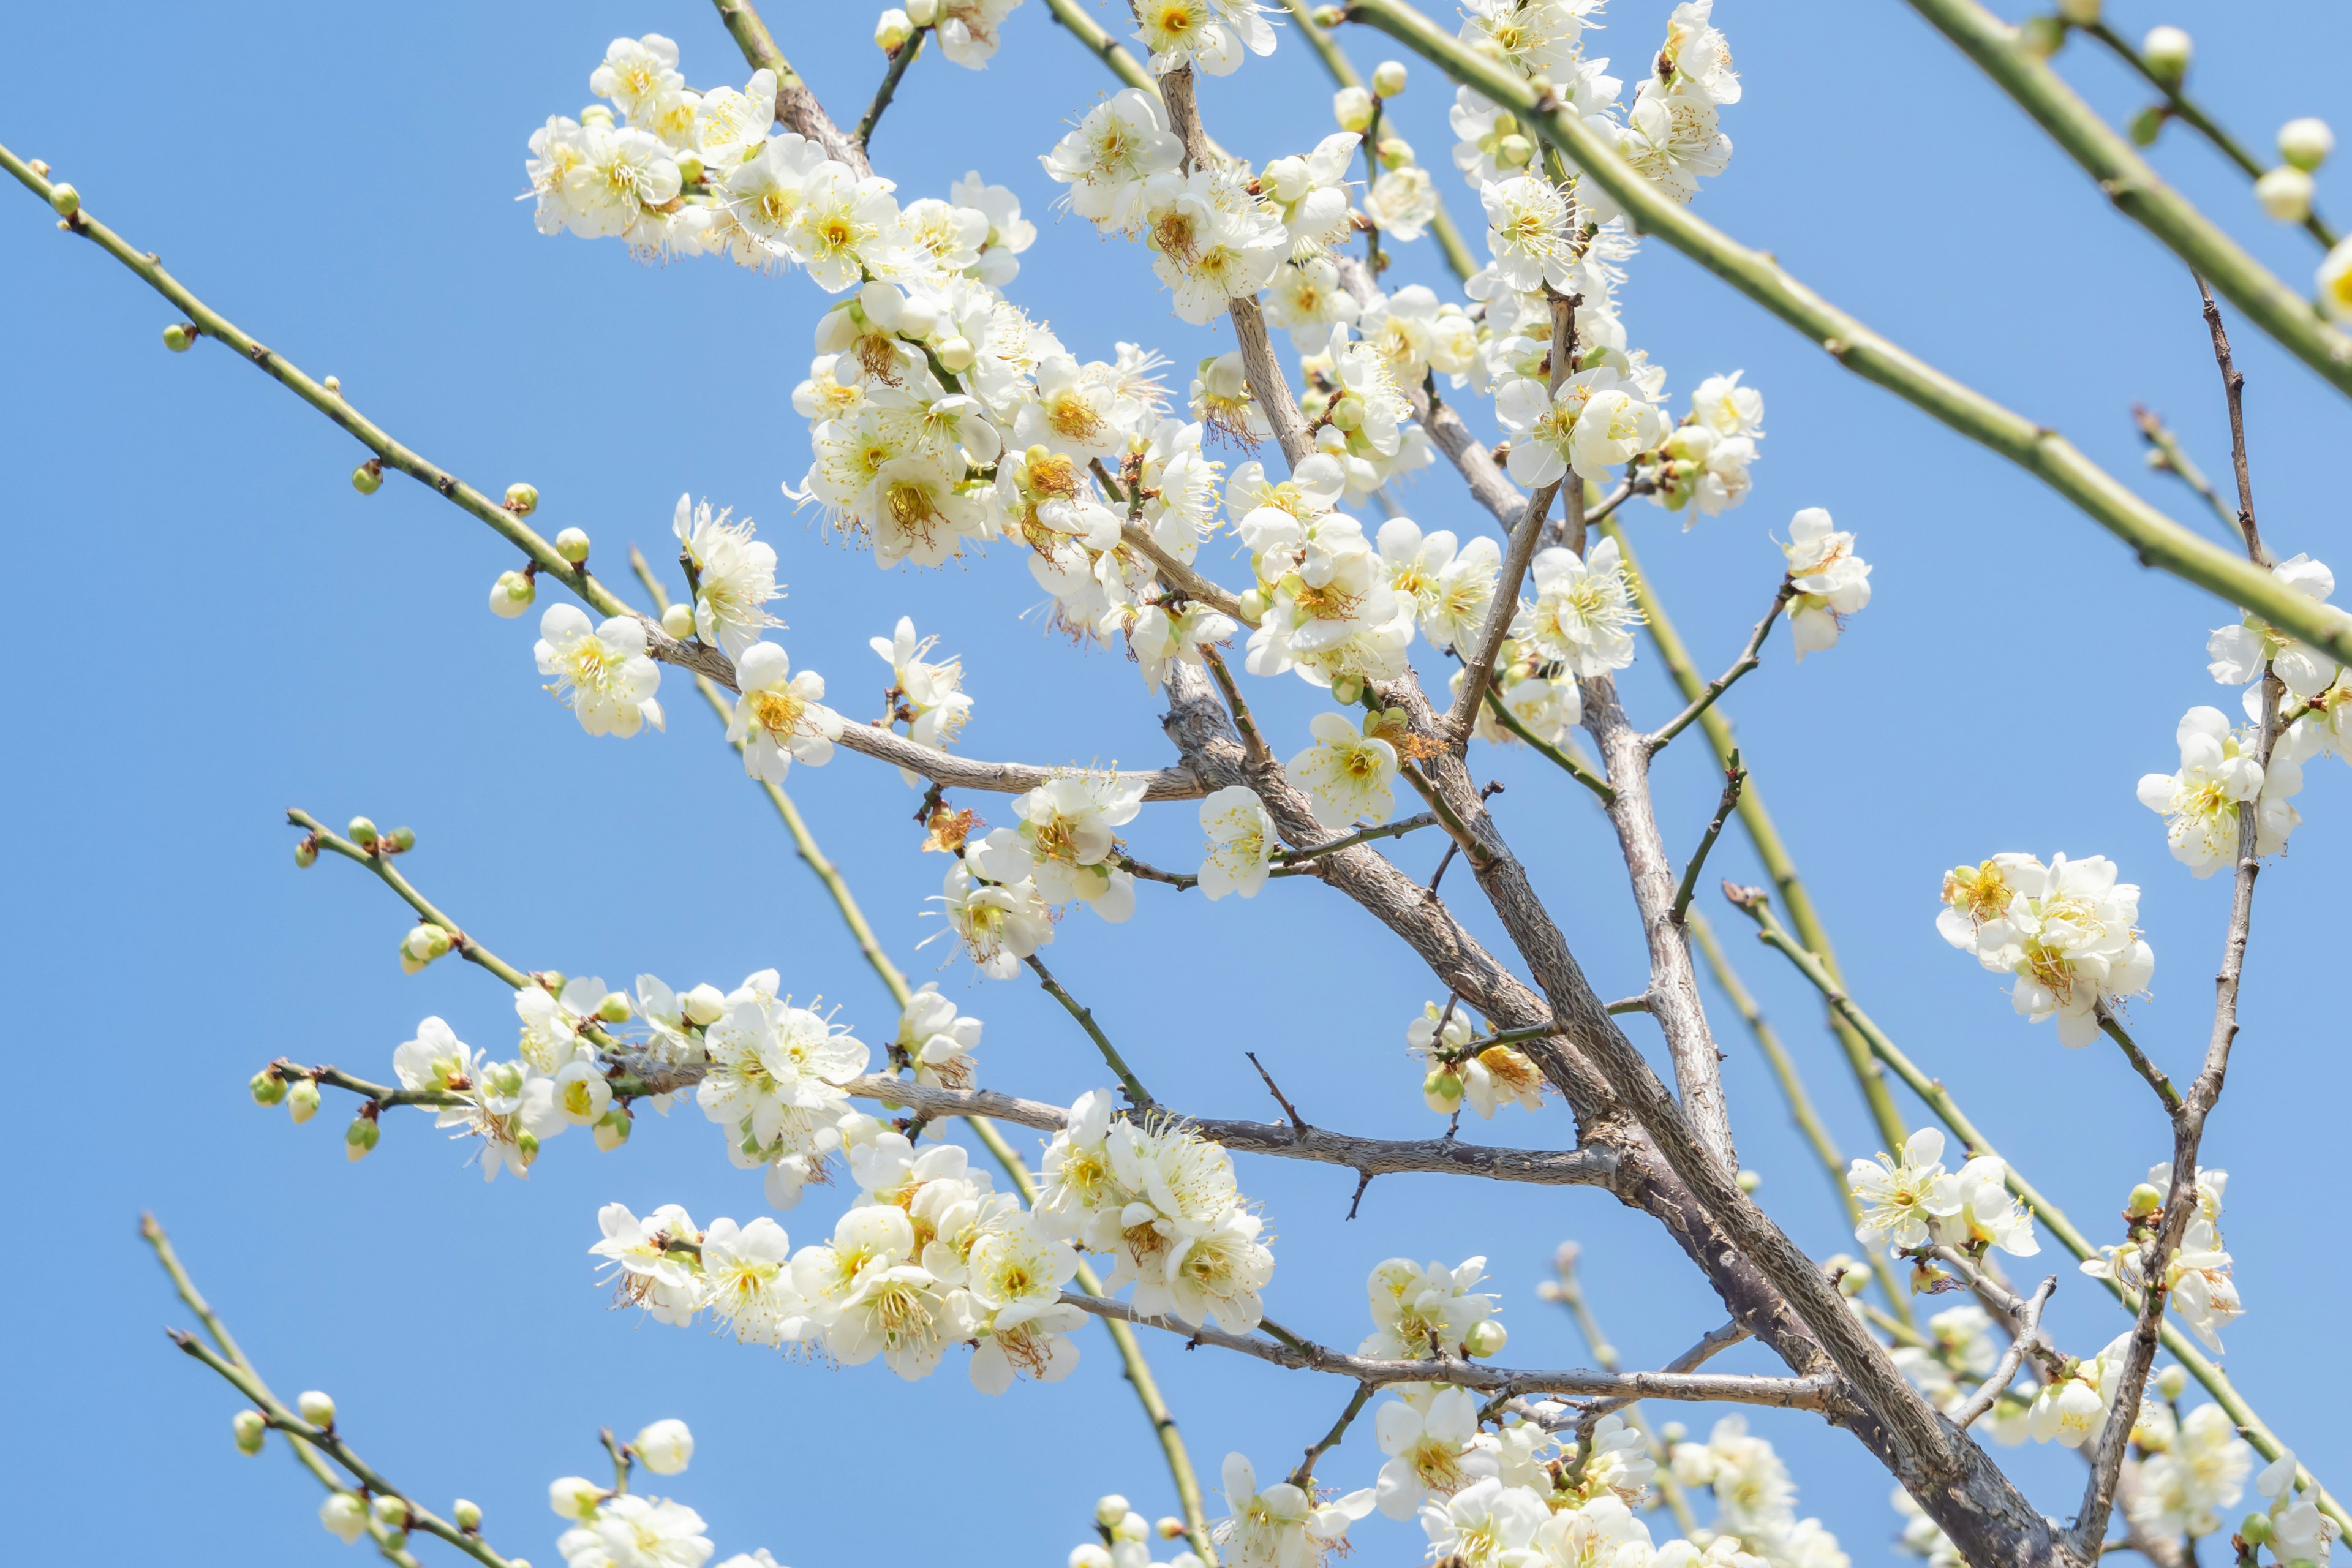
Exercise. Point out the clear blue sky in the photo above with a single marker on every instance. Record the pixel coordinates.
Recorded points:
(218, 627)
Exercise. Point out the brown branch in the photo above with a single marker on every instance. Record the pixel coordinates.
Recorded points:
(2233, 385)
(2029, 1329)
(1749, 656)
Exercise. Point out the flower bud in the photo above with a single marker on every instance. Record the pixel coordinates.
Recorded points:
(2044, 35)
(301, 1100)
(2172, 1382)
(267, 1087)
(65, 199)
(1170, 1527)
(360, 832)
(2081, 13)
(1110, 1510)
(1089, 1556)
(923, 13)
(1853, 1281)
(527, 1145)
(613, 1130)
(425, 942)
(403, 840)
(2148, 124)
(1132, 1527)
(1748, 1181)
(703, 1004)
(368, 477)
(522, 500)
(2285, 192)
(678, 621)
(615, 1008)
(597, 114)
(919, 319)
(1346, 689)
(1395, 152)
(665, 1446)
(511, 594)
(1324, 17)
(391, 1512)
(1222, 377)
(2165, 52)
(504, 1078)
(179, 337)
(1674, 1431)
(1388, 79)
(689, 169)
(468, 1513)
(573, 545)
(1254, 606)
(333, 383)
(1347, 412)
(892, 29)
(248, 1429)
(1515, 151)
(1352, 108)
(2306, 143)
(956, 352)
(344, 1516)
(2144, 1200)
(573, 1497)
(1442, 1084)
(360, 1138)
(1485, 1338)
(317, 1408)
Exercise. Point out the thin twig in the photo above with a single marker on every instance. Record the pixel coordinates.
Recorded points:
(1559, 756)
(1292, 860)
(2147, 1069)
(2233, 385)
(1297, 1120)
(2005, 1370)
(1136, 1093)
(1734, 778)
(900, 58)
(1749, 656)
(1305, 1473)
(2166, 457)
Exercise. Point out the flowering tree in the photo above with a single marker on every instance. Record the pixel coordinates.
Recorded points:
(946, 418)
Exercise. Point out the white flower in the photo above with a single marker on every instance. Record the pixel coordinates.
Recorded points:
(1210, 34)
(1067, 827)
(2239, 652)
(735, 576)
(1727, 408)
(1529, 232)
(1452, 590)
(774, 1083)
(1485, 1082)
(1403, 202)
(631, 1532)
(436, 1059)
(1310, 192)
(968, 29)
(779, 717)
(665, 1282)
(845, 228)
(1902, 1199)
(992, 902)
(1484, 1525)
(1161, 641)
(1753, 1493)
(1211, 241)
(917, 511)
(1346, 773)
(765, 194)
(638, 74)
(665, 1447)
(1074, 416)
(931, 690)
(729, 126)
(2299, 1531)
(2218, 772)
(1582, 609)
(748, 1278)
(1241, 843)
(601, 673)
(1831, 581)
(1120, 143)
(1306, 299)
(937, 1041)
(1539, 36)
(2070, 935)
(344, 1515)
(1419, 1312)
(2073, 1408)
(2201, 1473)
(1987, 1216)
(1592, 422)
(1430, 1448)
(1281, 1527)
(1008, 233)
(619, 183)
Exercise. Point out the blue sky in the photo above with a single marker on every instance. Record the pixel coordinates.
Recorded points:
(253, 635)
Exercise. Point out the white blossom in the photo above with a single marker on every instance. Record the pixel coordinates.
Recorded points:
(1831, 581)
(602, 673)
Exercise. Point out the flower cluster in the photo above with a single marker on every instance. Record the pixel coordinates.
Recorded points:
(2198, 1287)
(613, 1528)
(2192, 1468)
(1755, 1501)
(1123, 1540)
(1161, 1200)
(1960, 1353)
(1827, 580)
(2068, 931)
(1911, 1201)
(1485, 1080)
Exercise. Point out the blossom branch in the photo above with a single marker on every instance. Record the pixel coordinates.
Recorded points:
(796, 106)
(1305, 1473)
(1749, 658)
(2156, 539)
(1294, 860)
(1559, 756)
(1811, 1393)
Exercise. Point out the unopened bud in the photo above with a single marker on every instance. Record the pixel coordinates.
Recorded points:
(2167, 51)
(522, 500)
(2172, 1382)
(703, 1004)
(1515, 151)
(892, 29)
(678, 621)
(248, 1428)
(403, 840)
(389, 1511)
(2254, 1529)
(344, 1516)
(2044, 36)
(1346, 689)
(1674, 1431)
(573, 545)
(1110, 1510)
(1131, 1527)
(1748, 1181)
(511, 594)
(2285, 192)
(267, 1087)
(615, 1008)
(1168, 1528)
(1352, 108)
(361, 832)
(2306, 143)
(573, 1497)
(1388, 79)
(315, 1407)
(1487, 1337)
(301, 1100)
(2144, 1200)
(333, 383)
(613, 1130)
(956, 352)
(923, 13)
(1347, 412)
(527, 1145)
(424, 943)
(1853, 1281)
(1254, 606)
(360, 1138)
(368, 477)
(919, 319)
(597, 114)
(1326, 16)
(1089, 1555)
(468, 1513)
(179, 337)
(665, 1446)
(65, 198)
(1395, 152)
(2081, 13)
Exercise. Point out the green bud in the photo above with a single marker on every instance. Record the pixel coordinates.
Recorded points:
(248, 1429)
(1346, 689)
(1487, 1337)
(2306, 143)
(360, 1138)
(678, 621)
(1254, 606)
(505, 1078)
(1352, 108)
(2254, 1529)
(2165, 51)
(65, 198)
(1388, 79)
(1325, 17)
(1347, 412)
(317, 1408)
(361, 832)
(1441, 1084)
(306, 854)
(522, 500)
(403, 840)
(597, 114)
(573, 545)
(511, 594)
(1110, 1510)
(368, 477)
(2148, 124)
(391, 1512)
(528, 1147)
(1515, 151)
(613, 1129)
(956, 352)
(2044, 36)
(179, 337)
(615, 1008)
(1748, 1181)
(2172, 1382)
(468, 1513)
(301, 1100)
(891, 31)
(2144, 1200)
(1395, 152)
(267, 1087)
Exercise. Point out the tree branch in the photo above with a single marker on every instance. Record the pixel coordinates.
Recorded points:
(900, 58)
(2005, 1370)
(1736, 776)
(1749, 656)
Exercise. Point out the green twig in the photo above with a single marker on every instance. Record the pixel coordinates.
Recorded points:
(1733, 778)
(2166, 457)
(900, 58)
(1137, 1094)
(1304, 1476)
(2147, 1069)
(1558, 756)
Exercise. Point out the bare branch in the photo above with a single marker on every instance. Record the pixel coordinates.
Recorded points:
(1749, 656)
(1734, 777)
(2005, 1369)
